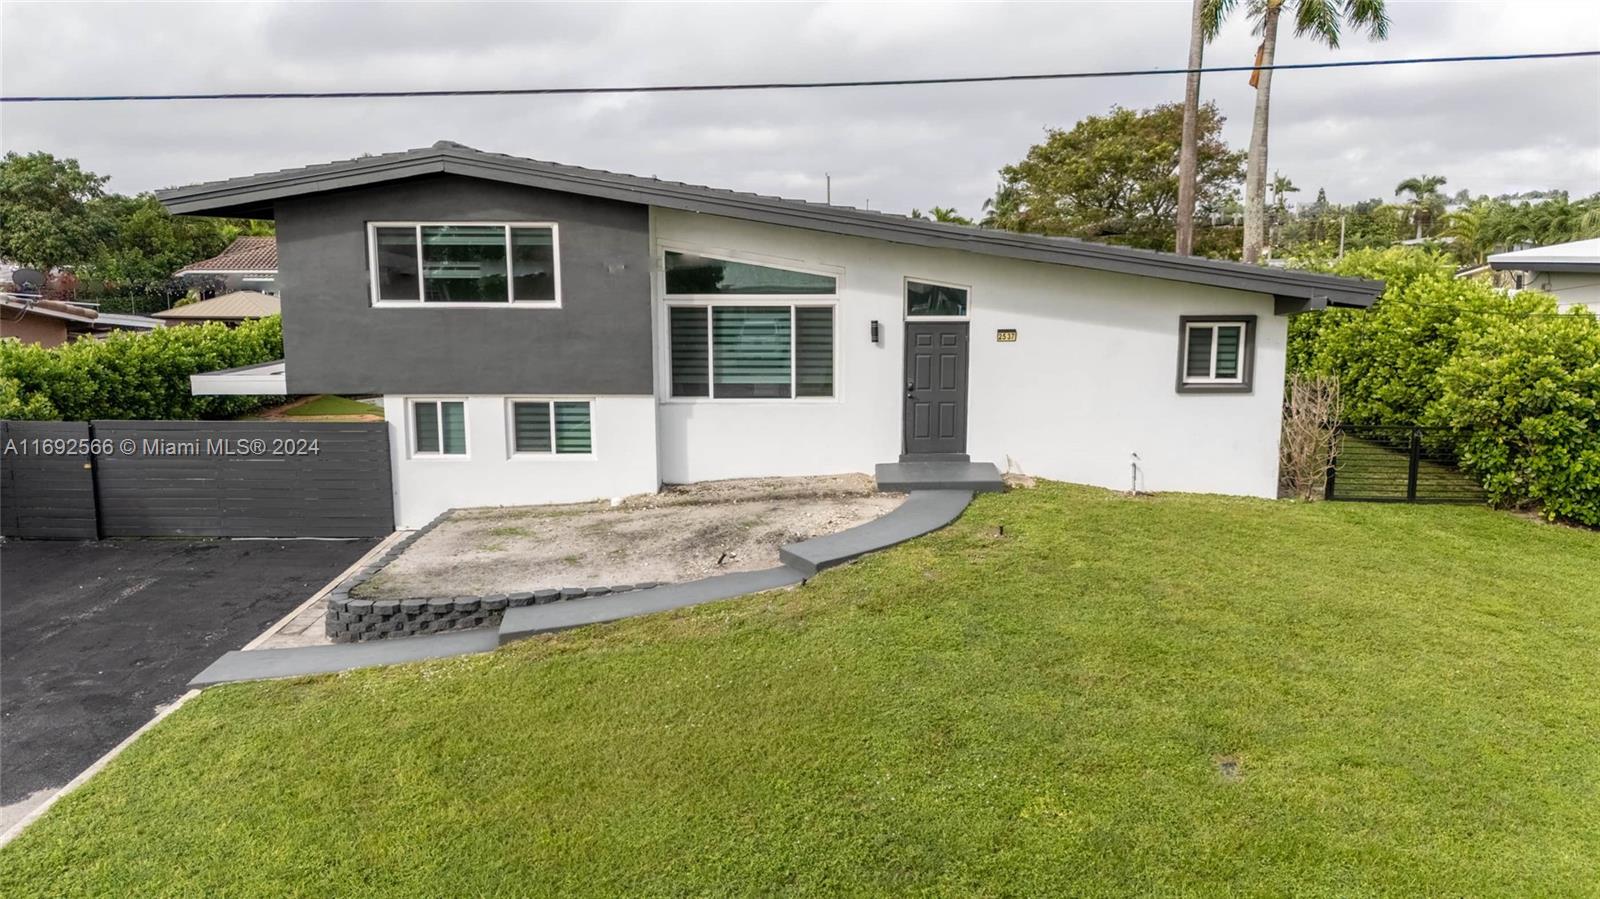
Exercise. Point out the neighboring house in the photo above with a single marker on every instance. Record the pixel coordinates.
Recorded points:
(231, 308)
(51, 323)
(544, 333)
(249, 263)
(1568, 271)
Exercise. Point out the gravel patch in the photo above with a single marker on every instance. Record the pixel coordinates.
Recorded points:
(681, 534)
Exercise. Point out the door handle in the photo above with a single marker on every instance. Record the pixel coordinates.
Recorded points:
(910, 387)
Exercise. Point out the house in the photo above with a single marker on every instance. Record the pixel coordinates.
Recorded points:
(51, 323)
(1568, 271)
(230, 308)
(544, 333)
(249, 263)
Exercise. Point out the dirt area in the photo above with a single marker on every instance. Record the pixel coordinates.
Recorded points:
(681, 534)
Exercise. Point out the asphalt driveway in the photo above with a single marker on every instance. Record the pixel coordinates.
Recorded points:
(94, 636)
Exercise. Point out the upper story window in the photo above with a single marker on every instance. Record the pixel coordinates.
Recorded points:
(1216, 353)
(464, 263)
(738, 330)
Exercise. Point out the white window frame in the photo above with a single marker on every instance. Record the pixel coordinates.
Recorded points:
(411, 427)
(515, 454)
(1215, 326)
(905, 300)
(511, 301)
(710, 301)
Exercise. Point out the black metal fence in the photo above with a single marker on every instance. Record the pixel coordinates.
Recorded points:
(86, 480)
(1398, 464)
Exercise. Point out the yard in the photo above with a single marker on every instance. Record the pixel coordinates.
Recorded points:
(1174, 695)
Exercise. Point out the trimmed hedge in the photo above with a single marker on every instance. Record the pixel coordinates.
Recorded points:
(1517, 385)
(134, 375)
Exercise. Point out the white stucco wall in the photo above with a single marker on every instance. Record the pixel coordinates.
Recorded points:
(1569, 288)
(623, 431)
(1089, 382)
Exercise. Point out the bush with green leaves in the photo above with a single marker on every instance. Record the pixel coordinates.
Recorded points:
(1513, 384)
(1524, 396)
(133, 375)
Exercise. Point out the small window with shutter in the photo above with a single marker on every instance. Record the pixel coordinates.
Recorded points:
(551, 427)
(1215, 353)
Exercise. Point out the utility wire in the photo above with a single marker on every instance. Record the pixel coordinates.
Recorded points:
(787, 85)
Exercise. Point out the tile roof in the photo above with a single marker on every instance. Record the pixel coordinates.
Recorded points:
(245, 254)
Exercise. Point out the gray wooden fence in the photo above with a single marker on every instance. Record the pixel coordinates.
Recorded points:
(83, 480)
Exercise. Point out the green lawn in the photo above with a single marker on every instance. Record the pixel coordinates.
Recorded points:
(329, 404)
(1410, 697)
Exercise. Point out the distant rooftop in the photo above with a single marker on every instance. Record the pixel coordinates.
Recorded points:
(1576, 256)
(236, 306)
(245, 254)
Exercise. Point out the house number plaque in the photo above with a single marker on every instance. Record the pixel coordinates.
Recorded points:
(1006, 335)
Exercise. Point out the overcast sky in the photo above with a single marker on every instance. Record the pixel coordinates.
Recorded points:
(1490, 128)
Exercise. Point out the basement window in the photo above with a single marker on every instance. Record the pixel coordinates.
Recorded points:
(438, 428)
(551, 427)
(1215, 353)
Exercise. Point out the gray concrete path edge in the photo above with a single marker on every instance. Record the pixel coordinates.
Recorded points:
(928, 511)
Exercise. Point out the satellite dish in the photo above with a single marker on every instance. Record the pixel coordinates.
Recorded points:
(28, 280)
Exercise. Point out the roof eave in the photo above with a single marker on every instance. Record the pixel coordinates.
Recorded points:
(254, 196)
(1533, 265)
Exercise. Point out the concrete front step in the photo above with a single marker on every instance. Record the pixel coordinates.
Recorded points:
(905, 477)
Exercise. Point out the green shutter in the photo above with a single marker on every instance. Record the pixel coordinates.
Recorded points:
(813, 350)
(454, 417)
(530, 423)
(1228, 351)
(572, 428)
(690, 371)
(425, 417)
(750, 351)
(1199, 353)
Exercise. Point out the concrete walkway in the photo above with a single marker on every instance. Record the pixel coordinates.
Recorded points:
(924, 511)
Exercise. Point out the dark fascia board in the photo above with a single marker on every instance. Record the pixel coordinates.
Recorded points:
(255, 195)
(1545, 266)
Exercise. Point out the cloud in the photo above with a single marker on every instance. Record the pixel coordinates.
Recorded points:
(1505, 127)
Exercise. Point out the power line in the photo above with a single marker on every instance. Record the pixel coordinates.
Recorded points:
(787, 85)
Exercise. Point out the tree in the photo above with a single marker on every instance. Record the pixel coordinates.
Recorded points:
(1112, 178)
(945, 214)
(1426, 201)
(1189, 151)
(1319, 19)
(141, 245)
(44, 210)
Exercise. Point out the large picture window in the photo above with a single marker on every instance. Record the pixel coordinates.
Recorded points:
(1215, 353)
(727, 344)
(469, 262)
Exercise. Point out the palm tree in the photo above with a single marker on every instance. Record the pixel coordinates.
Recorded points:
(1189, 147)
(1426, 200)
(1321, 20)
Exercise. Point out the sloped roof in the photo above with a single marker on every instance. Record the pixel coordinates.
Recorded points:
(253, 196)
(240, 304)
(1575, 256)
(245, 254)
(49, 308)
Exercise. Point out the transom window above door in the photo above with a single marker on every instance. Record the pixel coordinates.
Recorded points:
(927, 300)
(462, 263)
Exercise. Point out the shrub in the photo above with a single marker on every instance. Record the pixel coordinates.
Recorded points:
(133, 375)
(1311, 412)
(1525, 395)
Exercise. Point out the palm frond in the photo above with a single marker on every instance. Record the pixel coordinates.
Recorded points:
(1373, 15)
(1319, 19)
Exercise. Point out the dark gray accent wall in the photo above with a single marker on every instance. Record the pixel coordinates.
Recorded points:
(335, 341)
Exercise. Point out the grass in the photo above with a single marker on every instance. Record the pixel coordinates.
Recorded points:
(333, 405)
(1176, 695)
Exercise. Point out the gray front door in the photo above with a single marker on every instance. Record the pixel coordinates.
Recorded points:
(936, 387)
